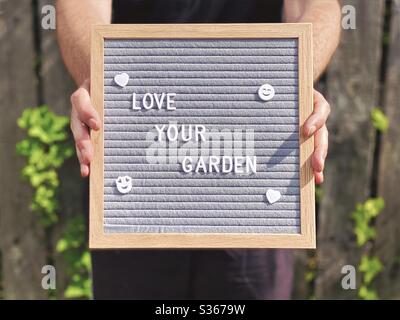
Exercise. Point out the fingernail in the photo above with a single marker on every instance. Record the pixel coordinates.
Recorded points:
(93, 124)
(312, 130)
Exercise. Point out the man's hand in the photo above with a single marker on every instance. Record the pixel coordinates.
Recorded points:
(83, 118)
(316, 125)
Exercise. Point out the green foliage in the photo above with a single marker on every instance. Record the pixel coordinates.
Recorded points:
(46, 147)
(311, 272)
(309, 276)
(379, 120)
(362, 217)
(319, 193)
(78, 259)
(364, 230)
(370, 267)
(366, 293)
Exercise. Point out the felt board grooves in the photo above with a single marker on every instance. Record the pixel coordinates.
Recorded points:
(200, 43)
(216, 82)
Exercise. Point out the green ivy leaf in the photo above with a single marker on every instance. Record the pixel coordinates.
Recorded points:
(370, 267)
(373, 207)
(379, 120)
(362, 216)
(75, 292)
(62, 245)
(309, 276)
(367, 293)
(364, 233)
(86, 261)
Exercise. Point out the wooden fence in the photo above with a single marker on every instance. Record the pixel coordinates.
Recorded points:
(364, 74)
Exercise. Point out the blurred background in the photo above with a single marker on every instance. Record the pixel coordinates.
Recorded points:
(42, 203)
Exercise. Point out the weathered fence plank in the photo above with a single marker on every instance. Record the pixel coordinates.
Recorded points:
(21, 238)
(57, 88)
(352, 84)
(387, 245)
(303, 288)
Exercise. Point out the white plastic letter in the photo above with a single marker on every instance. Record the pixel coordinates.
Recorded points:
(171, 101)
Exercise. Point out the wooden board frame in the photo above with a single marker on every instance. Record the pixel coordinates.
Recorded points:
(98, 239)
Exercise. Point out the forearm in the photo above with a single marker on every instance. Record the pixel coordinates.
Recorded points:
(325, 16)
(74, 21)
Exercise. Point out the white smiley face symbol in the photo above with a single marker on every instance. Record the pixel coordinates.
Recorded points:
(124, 184)
(266, 92)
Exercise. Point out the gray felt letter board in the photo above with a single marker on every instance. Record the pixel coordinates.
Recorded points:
(201, 145)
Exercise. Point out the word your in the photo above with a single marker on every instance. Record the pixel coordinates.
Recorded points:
(151, 100)
(224, 164)
(212, 142)
(184, 132)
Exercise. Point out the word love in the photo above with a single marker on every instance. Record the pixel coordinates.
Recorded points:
(154, 100)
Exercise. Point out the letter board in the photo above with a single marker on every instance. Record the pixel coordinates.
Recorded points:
(201, 143)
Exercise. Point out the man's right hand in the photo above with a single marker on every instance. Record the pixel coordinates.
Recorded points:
(83, 118)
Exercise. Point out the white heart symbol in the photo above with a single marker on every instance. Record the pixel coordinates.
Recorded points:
(273, 195)
(121, 79)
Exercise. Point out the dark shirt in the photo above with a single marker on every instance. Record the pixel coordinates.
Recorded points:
(196, 11)
(193, 274)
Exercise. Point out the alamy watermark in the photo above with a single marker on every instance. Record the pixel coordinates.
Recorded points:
(349, 17)
(349, 280)
(49, 21)
(49, 278)
(200, 149)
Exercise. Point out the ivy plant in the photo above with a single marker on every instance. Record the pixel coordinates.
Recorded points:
(78, 259)
(362, 217)
(379, 120)
(364, 230)
(370, 267)
(46, 147)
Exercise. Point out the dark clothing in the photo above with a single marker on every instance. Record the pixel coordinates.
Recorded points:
(193, 274)
(197, 11)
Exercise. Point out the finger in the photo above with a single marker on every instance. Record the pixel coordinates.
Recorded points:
(319, 177)
(82, 104)
(319, 116)
(320, 149)
(86, 85)
(83, 143)
(84, 168)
